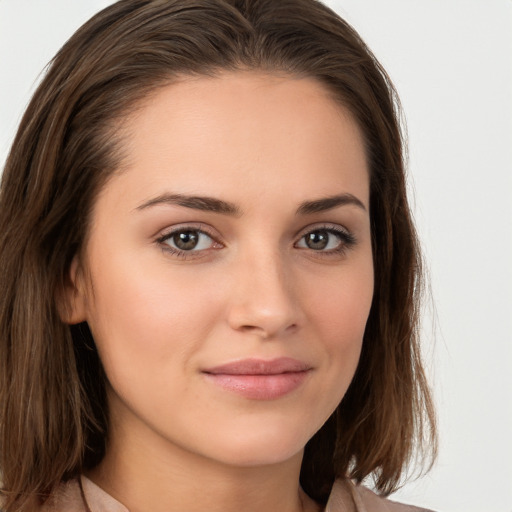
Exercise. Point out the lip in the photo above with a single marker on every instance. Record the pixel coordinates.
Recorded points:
(260, 379)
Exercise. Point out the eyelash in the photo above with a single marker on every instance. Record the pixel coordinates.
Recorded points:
(179, 253)
(346, 241)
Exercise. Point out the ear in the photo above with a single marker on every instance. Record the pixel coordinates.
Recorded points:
(71, 298)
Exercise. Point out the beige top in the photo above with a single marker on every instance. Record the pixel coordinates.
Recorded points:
(345, 497)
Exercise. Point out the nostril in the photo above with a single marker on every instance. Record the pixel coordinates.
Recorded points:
(254, 329)
(267, 332)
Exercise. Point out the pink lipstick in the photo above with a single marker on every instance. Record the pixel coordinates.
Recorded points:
(259, 379)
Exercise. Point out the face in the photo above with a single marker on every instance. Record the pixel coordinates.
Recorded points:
(228, 273)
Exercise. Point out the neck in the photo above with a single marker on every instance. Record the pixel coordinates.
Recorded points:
(160, 476)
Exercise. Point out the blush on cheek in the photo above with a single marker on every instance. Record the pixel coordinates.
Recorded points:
(343, 309)
(343, 315)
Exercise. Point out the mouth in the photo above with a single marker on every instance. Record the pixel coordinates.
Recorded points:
(259, 379)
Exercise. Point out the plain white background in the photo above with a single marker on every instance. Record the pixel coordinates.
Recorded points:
(451, 61)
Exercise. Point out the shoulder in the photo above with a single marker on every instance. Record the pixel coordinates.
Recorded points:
(346, 494)
(373, 502)
(82, 495)
(66, 498)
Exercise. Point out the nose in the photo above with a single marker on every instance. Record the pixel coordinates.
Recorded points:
(263, 299)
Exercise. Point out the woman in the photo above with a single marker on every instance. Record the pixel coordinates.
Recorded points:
(210, 275)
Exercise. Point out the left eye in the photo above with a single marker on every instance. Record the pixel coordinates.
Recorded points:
(322, 240)
(188, 240)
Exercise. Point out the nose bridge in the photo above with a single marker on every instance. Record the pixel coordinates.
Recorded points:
(263, 299)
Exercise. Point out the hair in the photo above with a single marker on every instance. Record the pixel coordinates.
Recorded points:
(53, 407)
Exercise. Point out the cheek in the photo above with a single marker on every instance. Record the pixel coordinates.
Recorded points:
(339, 310)
(340, 303)
(143, 317)
(342, 316)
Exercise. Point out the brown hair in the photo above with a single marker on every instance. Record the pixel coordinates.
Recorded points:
(53, 410)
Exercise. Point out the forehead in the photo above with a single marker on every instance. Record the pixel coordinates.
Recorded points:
(243, 131)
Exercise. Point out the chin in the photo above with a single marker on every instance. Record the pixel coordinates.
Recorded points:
(260, 447)
(253, 458)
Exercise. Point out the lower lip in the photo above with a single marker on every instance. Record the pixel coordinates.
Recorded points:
(260, 387)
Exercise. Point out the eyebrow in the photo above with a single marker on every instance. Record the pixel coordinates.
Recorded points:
(328, 203)
(211, 204)
(207, 204)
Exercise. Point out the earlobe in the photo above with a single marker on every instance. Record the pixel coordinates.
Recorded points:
(71, 296)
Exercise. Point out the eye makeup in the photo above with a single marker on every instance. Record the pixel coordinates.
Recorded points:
(192, 241)
(326, 240)
(188, 241)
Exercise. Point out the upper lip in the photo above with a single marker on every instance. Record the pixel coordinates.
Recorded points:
(259, 367)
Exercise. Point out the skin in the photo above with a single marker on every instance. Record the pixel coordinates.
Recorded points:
(252, 288)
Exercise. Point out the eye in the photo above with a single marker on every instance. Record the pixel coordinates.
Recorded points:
(325, 239)
(187, 240)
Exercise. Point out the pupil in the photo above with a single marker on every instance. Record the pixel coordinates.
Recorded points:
(317, 240)
(186, 240)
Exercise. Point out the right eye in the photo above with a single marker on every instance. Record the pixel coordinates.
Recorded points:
(189, 240)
